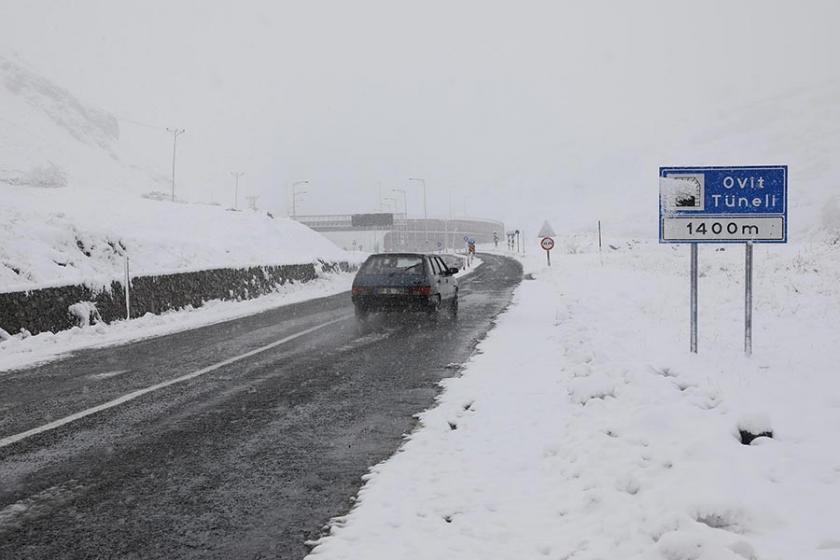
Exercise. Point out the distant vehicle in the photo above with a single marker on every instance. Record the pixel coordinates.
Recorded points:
(405, 282)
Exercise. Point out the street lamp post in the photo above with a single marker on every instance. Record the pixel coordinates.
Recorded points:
(236, 176)
(405, 219)
(176, 132)
(425, 208)
(390, 202)
(295, 194)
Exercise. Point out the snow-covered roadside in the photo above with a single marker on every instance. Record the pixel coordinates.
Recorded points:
(19, 352)
(466, 270)
(584, 429)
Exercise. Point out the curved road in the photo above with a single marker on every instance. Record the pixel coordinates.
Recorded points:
(247, 457)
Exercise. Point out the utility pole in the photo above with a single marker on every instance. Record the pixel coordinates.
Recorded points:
(425, 208)
(295, 195)
(176, 132)
(236, 176)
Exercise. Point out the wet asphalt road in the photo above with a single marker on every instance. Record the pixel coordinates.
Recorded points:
(248, 461)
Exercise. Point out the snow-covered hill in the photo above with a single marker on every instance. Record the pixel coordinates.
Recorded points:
(800, 129)
(67, 236)
(50, 139)
(72, 208)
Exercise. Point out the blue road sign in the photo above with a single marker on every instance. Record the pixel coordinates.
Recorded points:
(466, 238)
(723, 204)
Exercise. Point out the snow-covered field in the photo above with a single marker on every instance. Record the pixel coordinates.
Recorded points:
(583, 428)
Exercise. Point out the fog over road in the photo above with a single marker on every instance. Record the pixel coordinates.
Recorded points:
(247, 460)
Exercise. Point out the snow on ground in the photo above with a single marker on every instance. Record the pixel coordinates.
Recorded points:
(583, 428)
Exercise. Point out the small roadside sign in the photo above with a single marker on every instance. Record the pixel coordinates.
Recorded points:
(546, 230)
(547, 244)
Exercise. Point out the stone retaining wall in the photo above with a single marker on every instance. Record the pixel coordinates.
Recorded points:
(47, 309)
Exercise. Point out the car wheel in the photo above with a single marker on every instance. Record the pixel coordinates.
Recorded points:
(434, 308)
(453, 307)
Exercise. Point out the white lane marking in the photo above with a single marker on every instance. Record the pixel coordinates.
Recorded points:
(108, 374)
(6, 441)
(365, 340)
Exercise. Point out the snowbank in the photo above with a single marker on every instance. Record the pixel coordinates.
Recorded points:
(584, 429)
(70, 236)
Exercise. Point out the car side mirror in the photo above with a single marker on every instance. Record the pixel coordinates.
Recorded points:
(453, 271)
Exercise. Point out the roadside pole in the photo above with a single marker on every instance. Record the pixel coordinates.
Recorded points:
(600, 251)
(748, 289)
(694, 298)
(127, 290)
(599, 236)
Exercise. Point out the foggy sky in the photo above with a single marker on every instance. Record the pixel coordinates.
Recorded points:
(514, 107)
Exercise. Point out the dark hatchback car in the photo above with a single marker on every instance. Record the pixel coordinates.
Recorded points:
(405, 282)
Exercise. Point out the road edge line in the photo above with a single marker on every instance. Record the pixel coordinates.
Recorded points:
(9, 440)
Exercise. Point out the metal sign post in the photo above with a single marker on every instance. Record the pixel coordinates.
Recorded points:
(127, 289)
(748, 289)
(693, 304)
(723, 205)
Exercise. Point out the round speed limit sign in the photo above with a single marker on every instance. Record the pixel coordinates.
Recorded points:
(547, 243)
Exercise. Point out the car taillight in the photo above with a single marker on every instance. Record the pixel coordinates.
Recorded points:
(420, 290)
(360, 291)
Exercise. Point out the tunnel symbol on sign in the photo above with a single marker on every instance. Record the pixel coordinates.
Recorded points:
(686, 191)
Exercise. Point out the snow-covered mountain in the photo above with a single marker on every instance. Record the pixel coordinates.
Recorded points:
(49, 138)
(72, 207)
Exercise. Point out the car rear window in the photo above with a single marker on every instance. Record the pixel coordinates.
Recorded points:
(382, 264)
